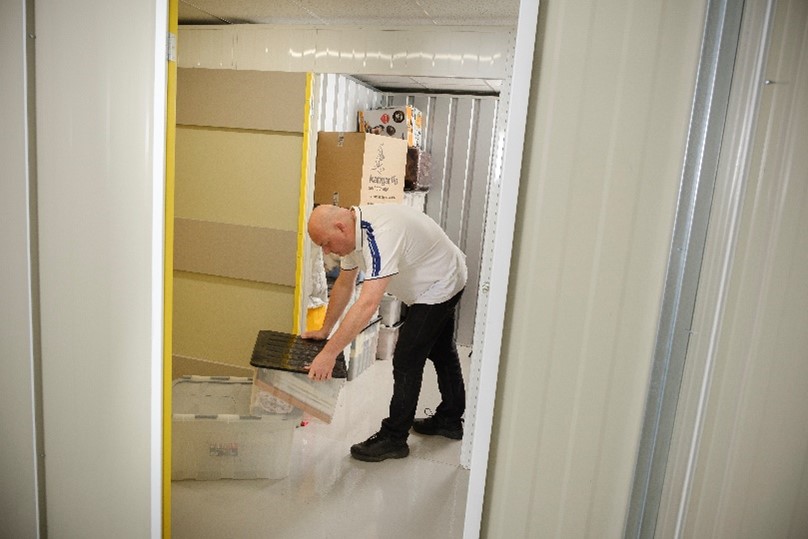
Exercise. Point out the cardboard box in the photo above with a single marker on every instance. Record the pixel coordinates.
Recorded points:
(400, 122)
(359, 168)
(215, 437)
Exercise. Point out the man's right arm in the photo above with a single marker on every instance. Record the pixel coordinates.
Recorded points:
(338, 299)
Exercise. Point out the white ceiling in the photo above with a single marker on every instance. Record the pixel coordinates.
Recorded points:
(374, 13)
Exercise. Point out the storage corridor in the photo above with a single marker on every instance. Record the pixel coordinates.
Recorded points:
(329, 494)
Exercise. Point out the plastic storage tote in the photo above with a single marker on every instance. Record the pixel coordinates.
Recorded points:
(215, 436)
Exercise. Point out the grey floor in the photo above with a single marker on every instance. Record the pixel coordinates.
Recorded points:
(330, 495)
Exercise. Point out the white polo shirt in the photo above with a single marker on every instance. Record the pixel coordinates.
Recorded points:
(407, 245)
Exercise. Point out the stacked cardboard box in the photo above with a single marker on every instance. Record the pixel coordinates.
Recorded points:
(403, 123)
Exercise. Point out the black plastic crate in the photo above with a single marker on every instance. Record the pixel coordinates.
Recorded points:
(287, 352)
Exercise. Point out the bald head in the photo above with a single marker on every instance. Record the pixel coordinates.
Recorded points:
(332, 228)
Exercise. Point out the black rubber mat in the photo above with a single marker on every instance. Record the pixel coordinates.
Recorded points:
(287, 352)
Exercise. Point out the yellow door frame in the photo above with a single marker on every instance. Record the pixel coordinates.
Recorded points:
(168, 255)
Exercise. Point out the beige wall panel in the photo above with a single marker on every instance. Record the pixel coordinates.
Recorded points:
(240, 177)
(218, 319)
(606, 131)
(261, 100)
(258, 254)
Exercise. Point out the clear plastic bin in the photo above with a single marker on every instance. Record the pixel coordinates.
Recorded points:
(363, 350)
(214, 436)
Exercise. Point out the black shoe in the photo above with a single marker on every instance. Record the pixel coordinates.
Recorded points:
(380, 447)
(434, 425)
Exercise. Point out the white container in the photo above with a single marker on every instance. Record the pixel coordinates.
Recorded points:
(388, 335)
(390, 310)
(363, 350)
(215, 437)
(415, 199)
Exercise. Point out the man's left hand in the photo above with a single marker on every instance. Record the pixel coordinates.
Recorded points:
(322, 367)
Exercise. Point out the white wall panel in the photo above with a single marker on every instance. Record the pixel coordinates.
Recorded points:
(100, 82)
(605, 144)
(417, 51)
(208, 47)
(256, 49)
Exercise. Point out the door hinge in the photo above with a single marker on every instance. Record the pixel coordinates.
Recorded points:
(171, 47)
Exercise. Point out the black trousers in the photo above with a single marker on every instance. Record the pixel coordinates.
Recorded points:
(427, 332)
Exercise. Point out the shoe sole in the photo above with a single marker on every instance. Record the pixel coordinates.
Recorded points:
(400, 454)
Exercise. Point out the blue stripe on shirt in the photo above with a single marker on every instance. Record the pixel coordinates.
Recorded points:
(374, 249)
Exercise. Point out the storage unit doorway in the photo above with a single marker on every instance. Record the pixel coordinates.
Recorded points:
(496, 158)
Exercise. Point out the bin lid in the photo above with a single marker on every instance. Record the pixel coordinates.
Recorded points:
(287, 352)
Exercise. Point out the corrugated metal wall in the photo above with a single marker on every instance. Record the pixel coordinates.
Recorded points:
(459, 137)
(338, 99)
(613, 85)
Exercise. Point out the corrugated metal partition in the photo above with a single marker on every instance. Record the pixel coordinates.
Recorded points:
(458, 134)
(338, 99)
(605, 143)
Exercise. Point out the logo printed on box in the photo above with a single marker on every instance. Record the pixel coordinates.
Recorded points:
(367, 169)
(378, 183)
